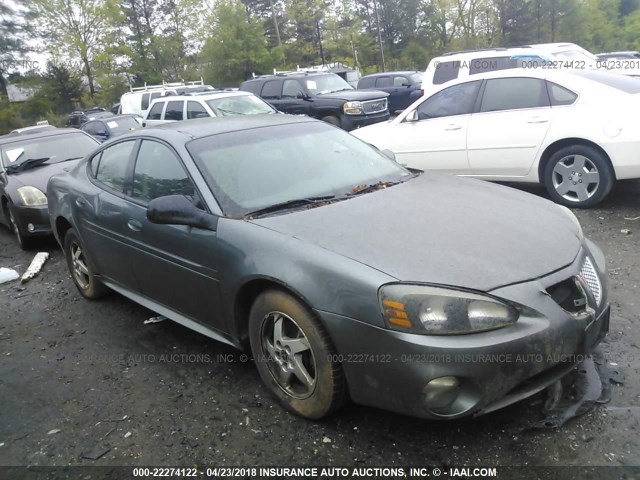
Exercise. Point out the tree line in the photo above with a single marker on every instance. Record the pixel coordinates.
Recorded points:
(96, 47)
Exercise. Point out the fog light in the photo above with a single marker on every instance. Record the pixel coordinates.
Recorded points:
(31, 227)
(441, 392)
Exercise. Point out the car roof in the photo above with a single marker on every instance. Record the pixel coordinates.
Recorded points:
(111, 118)
(205, 96)
(204, 127)
(47, 132)
(395, 72)
(291, 74)
(491, 52)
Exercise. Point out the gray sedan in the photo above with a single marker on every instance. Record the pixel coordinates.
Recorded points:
(345, 274)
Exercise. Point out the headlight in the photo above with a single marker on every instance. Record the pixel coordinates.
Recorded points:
(31, 197)
(573, 218)
(440, 311)
(353, 108)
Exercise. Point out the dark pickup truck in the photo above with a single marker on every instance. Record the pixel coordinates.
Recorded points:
(324, 96)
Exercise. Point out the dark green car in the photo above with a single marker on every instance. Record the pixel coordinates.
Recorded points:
(344, 273)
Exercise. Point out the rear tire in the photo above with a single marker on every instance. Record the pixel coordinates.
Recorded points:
(578, 176)
(294, 356)
(80, 268)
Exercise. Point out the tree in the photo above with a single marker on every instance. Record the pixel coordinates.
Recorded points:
(236, 47)
(14, 27)
(81, 28)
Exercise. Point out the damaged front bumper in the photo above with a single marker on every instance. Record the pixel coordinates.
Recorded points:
(447, 377)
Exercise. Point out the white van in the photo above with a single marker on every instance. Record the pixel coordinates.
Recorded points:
(138, 100)
(201, 105)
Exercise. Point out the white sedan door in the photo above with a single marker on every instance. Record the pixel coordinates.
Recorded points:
(505, 136)
(436, 139)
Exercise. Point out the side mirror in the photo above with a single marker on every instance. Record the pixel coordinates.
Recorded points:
(388, 153)
(178, 210)
(412, 116)
(302, 95)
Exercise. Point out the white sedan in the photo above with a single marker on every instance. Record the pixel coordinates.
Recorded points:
(574, 131)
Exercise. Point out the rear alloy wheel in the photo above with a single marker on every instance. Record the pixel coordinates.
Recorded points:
(80, 268)
(294, 356)
(578, 176)
(23, 242)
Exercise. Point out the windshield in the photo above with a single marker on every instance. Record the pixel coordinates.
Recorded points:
(240, 105)
(122, 125)
(252, 170)
(57, 148)
(328, 83)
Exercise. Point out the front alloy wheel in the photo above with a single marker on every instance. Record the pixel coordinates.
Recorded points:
(294, 355)
(291, 361)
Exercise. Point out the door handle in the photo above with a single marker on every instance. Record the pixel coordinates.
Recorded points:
(537, 120)
(134, 225)
(452, 126)
(81, 202)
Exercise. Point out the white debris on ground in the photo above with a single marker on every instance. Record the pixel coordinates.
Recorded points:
(8, 275)
(158, 319)
(35, 267)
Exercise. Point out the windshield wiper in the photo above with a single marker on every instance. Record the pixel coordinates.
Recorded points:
(224, 111)
(360, 189)
(289, 204)
(28, 163)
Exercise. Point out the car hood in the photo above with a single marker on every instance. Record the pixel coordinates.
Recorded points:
(442, 229)
(39, 176)
(355, 95)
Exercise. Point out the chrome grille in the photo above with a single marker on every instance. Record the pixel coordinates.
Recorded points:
(375, 106)
(590, 276)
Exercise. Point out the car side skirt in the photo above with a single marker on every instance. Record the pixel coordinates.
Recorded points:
(171, 314)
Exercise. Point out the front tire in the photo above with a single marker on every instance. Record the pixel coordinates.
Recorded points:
(578, 176)
(24, 242)
(294, 356)
(80, 268)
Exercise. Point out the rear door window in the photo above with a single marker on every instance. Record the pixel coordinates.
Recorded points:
(514, 94)
(382, 82)
(112, 165)
(174, 110)
(366, 82)
(144, 101)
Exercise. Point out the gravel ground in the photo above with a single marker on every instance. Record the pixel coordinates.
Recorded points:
(78, 376)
